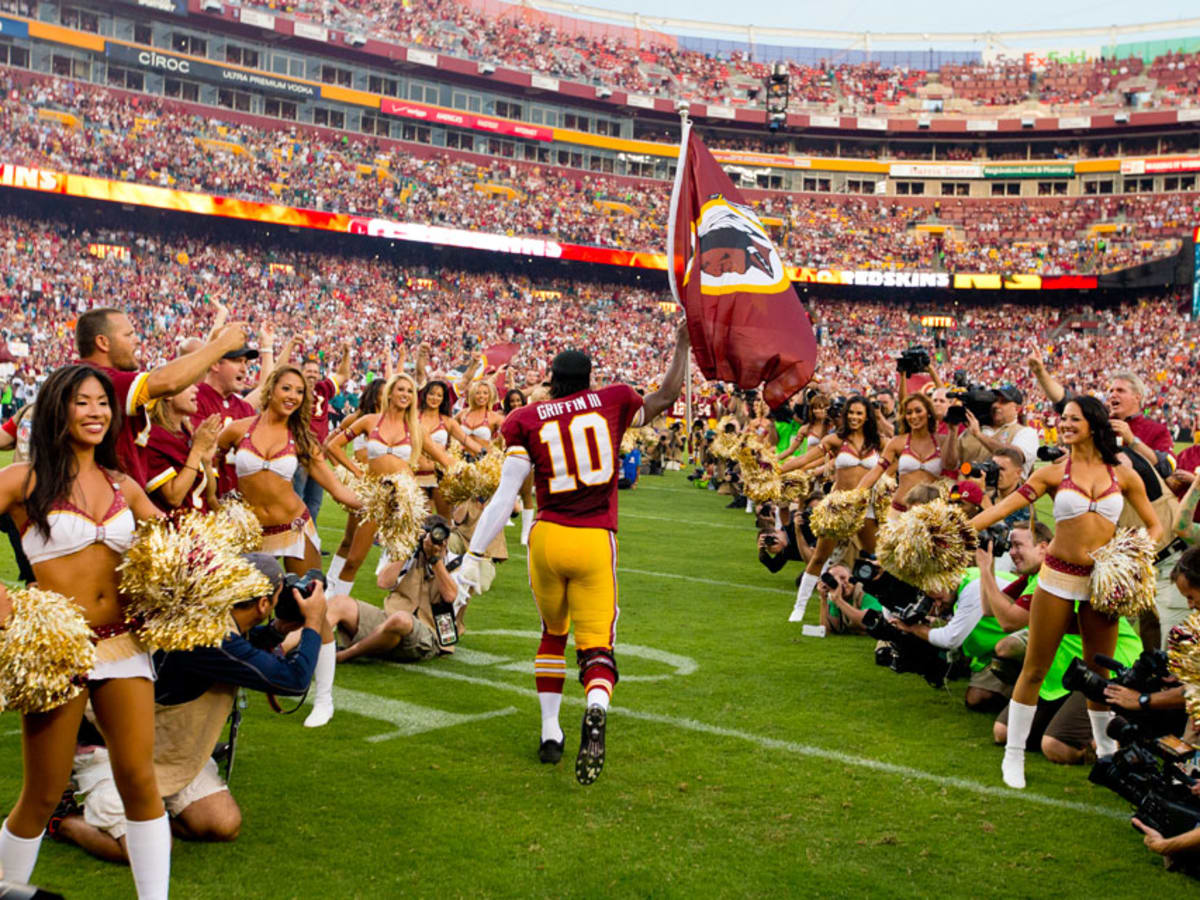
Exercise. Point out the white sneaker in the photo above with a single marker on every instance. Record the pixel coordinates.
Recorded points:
(320, 715)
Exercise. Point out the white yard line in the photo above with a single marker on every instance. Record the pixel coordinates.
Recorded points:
(808, 750)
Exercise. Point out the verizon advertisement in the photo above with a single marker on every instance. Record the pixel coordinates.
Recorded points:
(440, 116)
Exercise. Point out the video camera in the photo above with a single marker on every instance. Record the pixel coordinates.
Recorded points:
(1048, 453)
(287, 608)
(977, 400)
(1162, 795)
(913, 360)
(891, 592)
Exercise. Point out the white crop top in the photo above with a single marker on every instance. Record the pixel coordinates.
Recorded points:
(249, 461)
(72, 530)
(1070, 502)
(848, 458)
(910, 462)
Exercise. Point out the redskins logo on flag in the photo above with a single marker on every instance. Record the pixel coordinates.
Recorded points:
(745, 321)
(736, 254)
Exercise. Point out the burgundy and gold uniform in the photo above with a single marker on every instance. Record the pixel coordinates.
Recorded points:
(323, 393)
(573, 443)
(166, 456)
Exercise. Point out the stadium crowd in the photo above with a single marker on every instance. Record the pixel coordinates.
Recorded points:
(656, 66)
(135, 138)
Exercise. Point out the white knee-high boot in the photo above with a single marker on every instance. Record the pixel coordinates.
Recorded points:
(1020, 723)
(149, 846)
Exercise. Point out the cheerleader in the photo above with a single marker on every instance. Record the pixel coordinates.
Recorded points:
(369, 403)
(854, 449)
(915, 453)
(270, 447)
(77, 514)
(1090, 489)
(439, 426)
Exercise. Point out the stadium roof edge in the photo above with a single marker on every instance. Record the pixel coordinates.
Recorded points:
(669, 24)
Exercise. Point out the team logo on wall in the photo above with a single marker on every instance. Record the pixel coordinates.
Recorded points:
(736, 253)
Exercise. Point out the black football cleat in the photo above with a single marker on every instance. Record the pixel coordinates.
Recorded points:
(590, 760)
(550, 752)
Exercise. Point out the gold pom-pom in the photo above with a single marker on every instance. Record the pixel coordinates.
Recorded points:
(725, 445)
(397, 506)
(840, 515)
(797, 484)
(244, 529)
(628, 441)
(930, 546)
(183, 575)
(46, 651)
(1183, 656)
(1123, 579)
(882, 492)
(477, 480)
(760, 474)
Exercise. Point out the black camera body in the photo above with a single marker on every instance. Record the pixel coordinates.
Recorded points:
(913, 360)
(287, 608)
(1145, 676)
(917, 611)
(1048, 453)
(438, 532)
(998, 536)
(903, 652)
(988, 469)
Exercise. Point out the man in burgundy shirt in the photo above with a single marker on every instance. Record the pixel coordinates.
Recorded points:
(220, 394)
(323, 390)
(106, 340)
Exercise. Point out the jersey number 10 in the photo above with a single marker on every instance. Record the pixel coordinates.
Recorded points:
(577, 430)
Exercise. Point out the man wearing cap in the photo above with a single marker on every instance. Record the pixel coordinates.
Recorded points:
(571, 442)
(194, 694)
(980, 441)
(220, 394)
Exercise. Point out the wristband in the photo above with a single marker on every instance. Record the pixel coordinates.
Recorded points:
(1028, 492)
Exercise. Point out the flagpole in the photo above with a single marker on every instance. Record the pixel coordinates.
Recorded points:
(684, 126)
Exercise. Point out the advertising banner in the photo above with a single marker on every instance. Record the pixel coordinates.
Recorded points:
(441, 116)
(185, 66)
(1034, 170)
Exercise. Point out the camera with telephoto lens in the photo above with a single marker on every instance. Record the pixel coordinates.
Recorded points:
(902, 652)
(1146, 675)
(917, 611)
(988, 470)
(1048, 453)
(287, 608)
(836, 407)
(913, 360)
(1149, 772)
(438, 532)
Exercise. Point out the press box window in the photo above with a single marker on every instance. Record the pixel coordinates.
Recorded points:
(241, 56)
(14, 56)
(83, 19)
(335, 75)
(182, 90)
(330, 118)
(124, 78)
(419, 133)
(237, 100)
(458, 140)
(280, 109)
(185, 43)
(377, 84)
(69, 67)
(955, 189)
(1052, 189)
(375, 125)
(143, 33)
(507, 110)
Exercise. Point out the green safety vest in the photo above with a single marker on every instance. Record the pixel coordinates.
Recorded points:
(1129, 648)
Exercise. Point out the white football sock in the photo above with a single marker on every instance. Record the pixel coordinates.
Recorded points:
(322, 710)
(550, 703)
(526, 526)
(1020, 723)
(18, 855)
(808, 584)
(149, 847)
(335, 567)
(598, 697)
(1105, 746)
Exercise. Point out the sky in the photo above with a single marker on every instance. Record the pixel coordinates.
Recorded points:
(921, 15)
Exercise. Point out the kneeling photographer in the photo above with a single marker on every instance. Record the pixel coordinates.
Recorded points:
(418, 620)
(194, 695)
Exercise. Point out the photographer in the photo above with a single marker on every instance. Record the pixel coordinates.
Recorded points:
(1004, 610)
(194, 694)
(778, 546)
(405, 629)
(1002, 478)
(1005, 430)
(844, 602)
(1180, 852)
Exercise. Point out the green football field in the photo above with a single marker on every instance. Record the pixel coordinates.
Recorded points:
(743, 760)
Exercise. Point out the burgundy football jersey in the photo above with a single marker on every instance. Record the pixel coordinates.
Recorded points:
(574, 445)
(324, 392)
(166, 454)
(210, 402)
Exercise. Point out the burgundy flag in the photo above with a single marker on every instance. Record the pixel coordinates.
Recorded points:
(746, 323)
